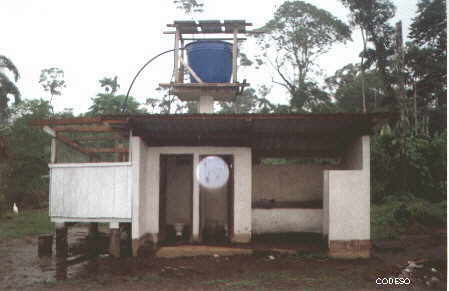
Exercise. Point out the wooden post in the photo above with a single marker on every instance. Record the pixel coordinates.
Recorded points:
(61, 251)
(53, 151)
(93, 248)
(181, 65)
(234, 57)
(114, 245)
(176, 60)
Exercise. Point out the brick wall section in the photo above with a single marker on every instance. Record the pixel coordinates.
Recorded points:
(349, 249)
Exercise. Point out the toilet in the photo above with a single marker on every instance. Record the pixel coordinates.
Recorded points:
(179, 227)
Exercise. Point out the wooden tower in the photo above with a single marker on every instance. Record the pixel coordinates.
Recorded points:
(203, 92)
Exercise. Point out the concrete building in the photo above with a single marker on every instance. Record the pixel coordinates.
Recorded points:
(152, 182)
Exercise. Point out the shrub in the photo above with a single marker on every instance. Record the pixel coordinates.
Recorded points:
(398, 213)
(420, 169)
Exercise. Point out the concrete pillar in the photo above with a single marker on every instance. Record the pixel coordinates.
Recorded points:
(242, 196)
(114, 243)
(206, 104)
(61, 251)
(196, 202)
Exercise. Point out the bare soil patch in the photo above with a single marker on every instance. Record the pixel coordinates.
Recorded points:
(306, 269)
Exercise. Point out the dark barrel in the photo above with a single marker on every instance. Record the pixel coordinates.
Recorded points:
(45, 245)
(211, 60)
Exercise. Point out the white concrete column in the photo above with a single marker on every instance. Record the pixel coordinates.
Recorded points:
(206, 104)
(196, 201)
(242, 196)
(135, 158)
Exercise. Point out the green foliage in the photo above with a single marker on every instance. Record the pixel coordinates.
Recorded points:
(28, 222)
(346, 85)
(244, 103)
(28, 147)
(52, 80)
(373, 17)
(420, 170)
(107, 104)
(426, 60)
(429, 26)
(7, 88)
(297, 35)
(110, 85)
(400, 212)
(189, 6)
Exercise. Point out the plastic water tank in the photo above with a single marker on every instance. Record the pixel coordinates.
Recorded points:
(211, 60)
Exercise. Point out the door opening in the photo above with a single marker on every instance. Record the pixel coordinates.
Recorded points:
(216, 208)
(175, 198)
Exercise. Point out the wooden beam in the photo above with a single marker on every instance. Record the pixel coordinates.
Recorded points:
(214, 38)
(234, 56)
(81, 120)
(53, 149)
(176, 60)
(94, 138)
(197, 78)
(198, 25)
(49, 131)
(106, 150)
(74, 145)
(91, 128)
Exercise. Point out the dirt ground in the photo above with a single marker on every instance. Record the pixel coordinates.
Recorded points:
(307, 268)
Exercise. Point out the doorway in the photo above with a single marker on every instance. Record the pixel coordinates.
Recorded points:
(175, 198)
(217, 208)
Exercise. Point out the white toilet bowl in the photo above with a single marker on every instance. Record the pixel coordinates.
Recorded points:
(179, 227)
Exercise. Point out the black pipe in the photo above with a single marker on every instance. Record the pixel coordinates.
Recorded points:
(125, 103)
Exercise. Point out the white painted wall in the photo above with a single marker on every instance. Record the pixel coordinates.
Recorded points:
(90, 192)
(149, 216)
(296, 182)
(279, 220)
(347, 195)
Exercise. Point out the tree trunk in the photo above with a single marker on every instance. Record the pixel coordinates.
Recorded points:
(362, 68)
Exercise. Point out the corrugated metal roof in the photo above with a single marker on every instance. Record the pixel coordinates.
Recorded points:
(266, 134)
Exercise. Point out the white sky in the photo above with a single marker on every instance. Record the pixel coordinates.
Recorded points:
(92, 39)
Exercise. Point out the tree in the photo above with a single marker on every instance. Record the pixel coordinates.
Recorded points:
(244, 103)
(263, 104)
(8, 87)
(106, 104)
(189, 6)
(297, 35)
(110, 104)
(426, 58)
(28, 153)
(372, 16)
(429, 26)
(52, 80)
(346, 85)
(110, 85)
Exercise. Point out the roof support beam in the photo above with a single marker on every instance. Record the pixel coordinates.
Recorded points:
(92, 128)
(106, 150)
(71, 143)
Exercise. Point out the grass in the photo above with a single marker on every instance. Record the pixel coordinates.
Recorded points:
(28, 222)
(398, 213)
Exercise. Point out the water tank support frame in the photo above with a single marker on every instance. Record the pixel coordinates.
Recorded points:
(191, 71)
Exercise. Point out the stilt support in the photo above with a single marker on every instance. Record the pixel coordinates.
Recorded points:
(61, 251)
(114, 245)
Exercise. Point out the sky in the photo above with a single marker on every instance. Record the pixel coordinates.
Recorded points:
(92, 39)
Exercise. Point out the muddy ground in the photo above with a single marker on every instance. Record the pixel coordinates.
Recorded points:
(307, 269)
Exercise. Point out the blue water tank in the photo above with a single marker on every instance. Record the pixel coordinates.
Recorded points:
(211, 60)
